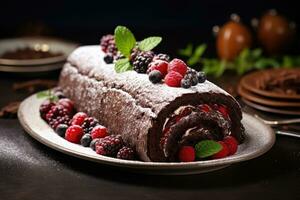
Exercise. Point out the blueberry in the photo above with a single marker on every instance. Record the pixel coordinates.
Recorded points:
(186, 83)
(92, 144)
(60, 94)
(109, 59)
(201, 77)
(155, 76)
(86, 140)
(61, 129)
(194, 80)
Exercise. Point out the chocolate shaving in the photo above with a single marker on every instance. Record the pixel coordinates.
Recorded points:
(10, 110)
(34, 85)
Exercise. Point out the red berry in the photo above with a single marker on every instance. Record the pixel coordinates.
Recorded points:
(223, 109)
(159, 65)
(223, 152)
(205, 108)
(78, 118)
(74, 134)
(231, 143)
(173, 79)
(66, 103)
(99, 132)
(187, 154)
(178, 65)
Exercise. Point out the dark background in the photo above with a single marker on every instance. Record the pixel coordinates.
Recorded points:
(177, 21)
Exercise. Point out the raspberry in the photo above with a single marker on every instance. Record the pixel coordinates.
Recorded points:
(126, 153)
(109, 146)
(186, 154)
(159, 65)
(223, 109)
(86, 140)
(205, 108)
(108, 45)
(88, 124)
(223, 152)
(155, 76)
(45, 107)
(74, 134)
(162, 56)
(177, 65)
(61, 129)
(141, 60)
(67, 103)
(231, 143)
(79, 118)
(173, 79)
(99, 132)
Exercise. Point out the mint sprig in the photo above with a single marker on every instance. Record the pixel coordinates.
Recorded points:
(125, 42)
(149, 43)
(207, 148)
(47, 94)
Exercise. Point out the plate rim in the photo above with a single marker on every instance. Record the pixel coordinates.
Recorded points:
(150, 165)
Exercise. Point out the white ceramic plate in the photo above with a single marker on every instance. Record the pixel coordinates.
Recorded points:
(259, 139)
(54, 45)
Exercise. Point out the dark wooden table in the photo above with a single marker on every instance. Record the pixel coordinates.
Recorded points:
(30, 170)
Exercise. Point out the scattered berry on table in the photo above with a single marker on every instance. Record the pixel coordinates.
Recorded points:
(78, 118)
(178, 65)
(61, 129)
(93, 143)
(201, 77)
(99, 132)
(126, 153)
(88, 124)
(45, 108)
(186, 154)
(159, 65)
(67, 103)
(155, 76)
(224, 152)
(109, 146)
(173, 79)
(74, 134)
(141, 61)
(185, 83)
(108, 44)
(231, 143)
(161, 56)
(86, 140)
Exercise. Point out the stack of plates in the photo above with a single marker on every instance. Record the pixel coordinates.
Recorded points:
(269, 101)
(34, 65)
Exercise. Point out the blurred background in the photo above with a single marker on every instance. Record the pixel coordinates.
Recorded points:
(177, 21)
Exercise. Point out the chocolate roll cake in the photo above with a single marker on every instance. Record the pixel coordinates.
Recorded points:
(155, 119)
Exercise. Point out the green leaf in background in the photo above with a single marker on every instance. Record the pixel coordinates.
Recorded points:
(207, 148)
(197, 54)
(263, 63)
(187, 52)
(125, 40)
(123, 65)
(149, 43)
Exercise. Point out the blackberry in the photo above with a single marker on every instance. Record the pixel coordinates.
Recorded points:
(155, 76)
(88, 124)
(45, 108)
(161, 56)
(59, 120)
(140, 60)
(55, 112)
(61, 129)
(86, 140)
(201, 77)
(108, 44)
(126, 153)
(191, 77)
(109, 146)
(185, 83)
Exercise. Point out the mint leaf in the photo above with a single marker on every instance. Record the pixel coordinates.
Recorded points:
(149, 43)
(123, 65)
(125, 40)
(188, 51)
(197, 54)
(43, 94)
(207, 148)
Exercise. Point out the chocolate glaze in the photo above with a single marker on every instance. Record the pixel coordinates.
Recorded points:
(130, 105)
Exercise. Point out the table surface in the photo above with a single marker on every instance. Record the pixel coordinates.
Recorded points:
(30, 170)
